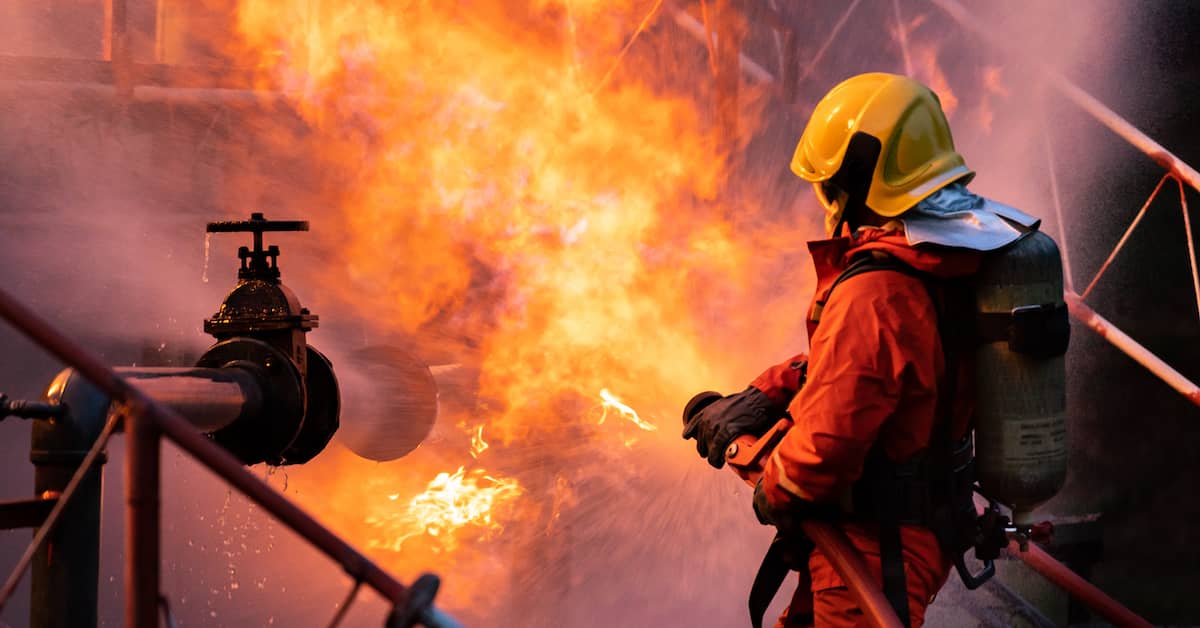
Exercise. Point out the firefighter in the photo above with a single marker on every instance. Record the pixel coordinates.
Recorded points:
(883, 386)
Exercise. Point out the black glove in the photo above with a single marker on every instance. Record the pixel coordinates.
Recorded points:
(787, 518)
(715, 425)
(791, 547)
(769, 516)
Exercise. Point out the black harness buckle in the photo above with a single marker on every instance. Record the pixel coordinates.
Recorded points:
(1041, 331)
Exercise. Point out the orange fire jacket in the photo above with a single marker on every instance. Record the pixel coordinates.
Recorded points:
(873, 375)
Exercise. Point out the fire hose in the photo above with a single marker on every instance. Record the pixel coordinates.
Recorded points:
(746, 456)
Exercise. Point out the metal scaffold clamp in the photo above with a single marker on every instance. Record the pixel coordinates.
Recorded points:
(418, 610)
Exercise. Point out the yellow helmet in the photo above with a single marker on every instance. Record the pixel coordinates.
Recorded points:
(916, 155)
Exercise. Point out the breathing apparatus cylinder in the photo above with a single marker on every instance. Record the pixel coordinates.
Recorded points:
(1020, 375)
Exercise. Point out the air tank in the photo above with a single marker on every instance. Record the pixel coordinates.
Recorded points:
(1020, 375)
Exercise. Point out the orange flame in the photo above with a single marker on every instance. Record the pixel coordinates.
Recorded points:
(500, 178)
(452, 502)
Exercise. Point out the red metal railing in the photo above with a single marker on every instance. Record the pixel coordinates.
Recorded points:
(146, 423)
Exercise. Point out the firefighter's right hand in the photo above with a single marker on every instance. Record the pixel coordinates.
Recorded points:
(715, 425)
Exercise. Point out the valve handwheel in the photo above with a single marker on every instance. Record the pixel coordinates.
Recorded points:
(256, 224)
(257, 263)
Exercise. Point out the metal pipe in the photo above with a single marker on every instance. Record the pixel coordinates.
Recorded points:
(902, 38)
(77, 73)
(212, 456)
(142, 534)
(1191, 242)
(66, 569)
(1130, 347)
(629, 44)
(209, 398)
(1124, 238)
(82, 476)
(1084, 100)
(345, 605)
(152, 94)
(829, 39)
(696, 29)
(26, 513)
(1048, 149)
(1082, 590)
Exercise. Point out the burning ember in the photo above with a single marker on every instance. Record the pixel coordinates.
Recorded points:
(478, 445)
(453, 502)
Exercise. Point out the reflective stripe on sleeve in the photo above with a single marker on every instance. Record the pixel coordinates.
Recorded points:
(784, 482)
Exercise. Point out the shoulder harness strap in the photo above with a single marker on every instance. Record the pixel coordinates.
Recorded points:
(869, 261)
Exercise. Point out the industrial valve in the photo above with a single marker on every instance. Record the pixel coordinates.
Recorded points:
(261, 328)
(260, 391)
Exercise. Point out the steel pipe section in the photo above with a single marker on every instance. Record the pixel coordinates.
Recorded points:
(209, 398)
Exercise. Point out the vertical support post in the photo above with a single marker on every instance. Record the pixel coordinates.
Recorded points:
(730, 32)
(141, 519)
(116, 46)
(64, 589)
(160, 29)
(66, 569)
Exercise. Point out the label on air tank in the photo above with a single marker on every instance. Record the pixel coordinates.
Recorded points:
(1034, 441)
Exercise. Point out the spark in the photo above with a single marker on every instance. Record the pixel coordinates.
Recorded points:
(478, 445)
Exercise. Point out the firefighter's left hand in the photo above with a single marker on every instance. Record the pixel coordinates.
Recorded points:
(787, 517)
(768, 515)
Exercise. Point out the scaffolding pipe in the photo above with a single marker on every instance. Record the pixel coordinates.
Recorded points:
(79, 477)
(150, 94)
(1076, 94)
(1131, 347)
(1082, 590)
(216, 459)
(695, 28)
(142, 532)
